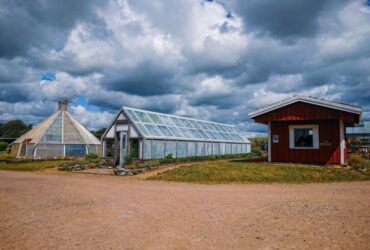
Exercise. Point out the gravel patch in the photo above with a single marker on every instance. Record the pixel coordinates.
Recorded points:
(39, 211)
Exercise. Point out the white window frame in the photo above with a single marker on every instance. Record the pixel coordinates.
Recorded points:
(315, 139)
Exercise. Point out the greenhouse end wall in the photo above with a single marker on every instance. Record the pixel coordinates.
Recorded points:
(158, 149)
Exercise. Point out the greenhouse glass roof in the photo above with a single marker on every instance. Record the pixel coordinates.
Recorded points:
(162, 126)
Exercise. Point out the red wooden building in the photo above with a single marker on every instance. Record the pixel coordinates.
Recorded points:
(307, 130)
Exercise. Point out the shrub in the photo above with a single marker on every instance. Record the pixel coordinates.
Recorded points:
(91, 156)
(3, 145)
(356, 161)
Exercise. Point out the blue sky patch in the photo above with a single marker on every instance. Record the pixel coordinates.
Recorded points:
(48, 76)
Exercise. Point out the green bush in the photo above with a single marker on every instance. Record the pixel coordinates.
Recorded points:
(356, 161)
(91, 156)
(3, 145)
(170, 159)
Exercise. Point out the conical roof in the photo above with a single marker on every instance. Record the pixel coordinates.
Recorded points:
(59, 128)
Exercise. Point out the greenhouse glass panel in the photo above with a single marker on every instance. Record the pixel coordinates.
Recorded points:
(132, 115)
(178, 122)
(195, 124)
(171, 148)
(147, 149)
(210, 134)
(239, 148)
(191, 148)
(142, 129)
(153, 130)
(155, 118)
(176, 132)
(208, 148)
(158, 149)
(75, 150)
(204, 135)
(54, 132)
(195, 133)
(165, 130)
(228, 148)
(181, 149)
(244, 148)
(200, 148)
(186, 132)
(222, 148)
(29, 150)
(167, 120)
(216, 148)
(203, 125)
(143, 117)
(71, 135)
(234, 148)
(162, 126)
(187, 123)
(50, 150)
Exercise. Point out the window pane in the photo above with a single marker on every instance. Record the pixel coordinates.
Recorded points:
(187, 132)
(171, 148)
(155, 118)
(200, 148)
(216, 149)
(181, 149)
(228, 148)
(75, 150)
(158, 149)
(153, 130)
(132, 115)
(178, 122)
(142, 129)
(176, 132)
(167, 120)
(147, 149)
(208, 150)
(54, 132)
(143, 117)
(303, 137)
(165, 130)
(222, 148)
(191, 148)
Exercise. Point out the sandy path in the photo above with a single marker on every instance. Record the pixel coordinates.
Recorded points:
(103, 212)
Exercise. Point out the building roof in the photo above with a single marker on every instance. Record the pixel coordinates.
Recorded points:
(59, 128)
(154, 125)
(359, 130)
(310, 100)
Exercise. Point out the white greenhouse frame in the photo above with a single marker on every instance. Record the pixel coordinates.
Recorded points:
(160, 134)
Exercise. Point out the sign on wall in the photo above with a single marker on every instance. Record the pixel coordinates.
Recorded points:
(275, 138)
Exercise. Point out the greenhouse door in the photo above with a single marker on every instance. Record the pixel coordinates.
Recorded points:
(122, 147)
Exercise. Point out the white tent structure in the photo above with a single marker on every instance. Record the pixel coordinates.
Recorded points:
(59, 135)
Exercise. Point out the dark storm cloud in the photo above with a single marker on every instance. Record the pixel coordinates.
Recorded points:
(39, 23)
(285, 18)
(144, 80)
(156, 54)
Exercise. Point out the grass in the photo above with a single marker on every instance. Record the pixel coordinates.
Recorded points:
(31, 165)
(253, 172)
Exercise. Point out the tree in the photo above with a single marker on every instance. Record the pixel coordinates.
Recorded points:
(13, 129)
(99, 133)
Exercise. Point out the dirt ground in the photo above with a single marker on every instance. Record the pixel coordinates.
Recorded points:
(39, 211)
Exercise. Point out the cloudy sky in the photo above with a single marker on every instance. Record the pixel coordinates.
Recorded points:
(214, 60)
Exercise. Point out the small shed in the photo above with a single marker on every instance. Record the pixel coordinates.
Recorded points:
(307, 130)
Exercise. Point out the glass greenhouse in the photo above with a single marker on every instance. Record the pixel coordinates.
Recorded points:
(59, 135)
(151, 135)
